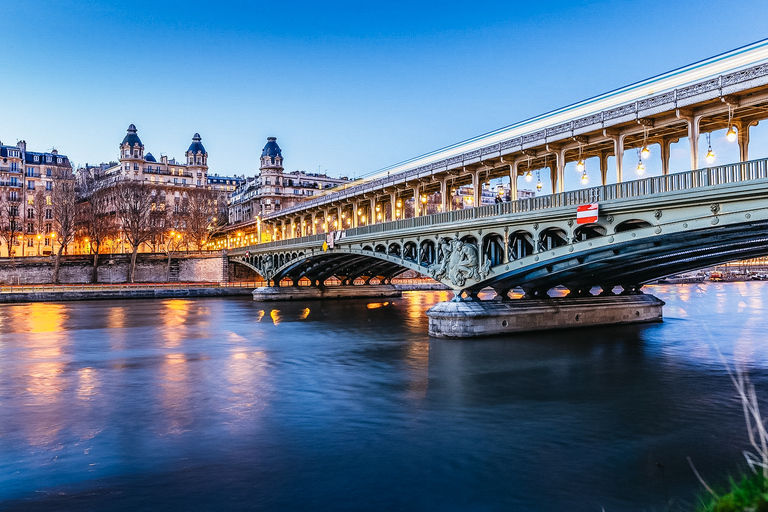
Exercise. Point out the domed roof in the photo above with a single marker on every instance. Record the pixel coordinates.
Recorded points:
(196, 145)
(131, 138)
(272, 149)
(150, 158)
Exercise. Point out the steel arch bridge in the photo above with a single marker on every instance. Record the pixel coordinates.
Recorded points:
(646, 229)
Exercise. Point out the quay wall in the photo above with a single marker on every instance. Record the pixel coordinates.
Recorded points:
(150, 268)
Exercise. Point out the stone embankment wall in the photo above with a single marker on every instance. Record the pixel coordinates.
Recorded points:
(150, 268)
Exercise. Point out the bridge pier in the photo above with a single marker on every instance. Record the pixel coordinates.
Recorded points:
(487, 318)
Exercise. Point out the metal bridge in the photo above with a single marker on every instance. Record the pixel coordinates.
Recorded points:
(646, 229)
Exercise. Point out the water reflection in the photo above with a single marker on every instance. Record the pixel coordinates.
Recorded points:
(188, 404)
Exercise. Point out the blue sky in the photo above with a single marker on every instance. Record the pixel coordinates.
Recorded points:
(347, 87)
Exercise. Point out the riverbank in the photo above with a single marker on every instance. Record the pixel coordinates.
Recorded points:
(75, 292)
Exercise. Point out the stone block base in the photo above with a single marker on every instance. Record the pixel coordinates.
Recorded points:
(486, 318)
(275, 293)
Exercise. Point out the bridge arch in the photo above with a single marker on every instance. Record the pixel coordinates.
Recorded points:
(394, 249)
(493, 248)
(428, 254)
(410, 251)
(631, 224)
(588, 231)
(551, 238)
(521, 244)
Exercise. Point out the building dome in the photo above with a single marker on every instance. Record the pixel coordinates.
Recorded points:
(271, 150)
(150, 158)
(196, 145)
(131, 138)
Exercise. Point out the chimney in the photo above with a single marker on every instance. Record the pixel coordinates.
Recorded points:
(22, 145)
(54, 151)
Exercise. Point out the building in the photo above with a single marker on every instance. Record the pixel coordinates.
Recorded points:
(26, 186)
(274, 188)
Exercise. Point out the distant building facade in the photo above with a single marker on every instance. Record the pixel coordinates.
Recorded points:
(26, 186)
(275, 189)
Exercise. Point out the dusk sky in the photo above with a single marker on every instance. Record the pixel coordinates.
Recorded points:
(347, 87)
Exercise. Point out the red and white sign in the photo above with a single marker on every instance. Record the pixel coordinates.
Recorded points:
(586, 213)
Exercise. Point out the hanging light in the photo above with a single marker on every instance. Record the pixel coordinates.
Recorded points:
(528, 176)
(580, 166)
(645, 152)
(731, 133)
(584, 178)
(710, 154)
(640, 167)
(539, 185)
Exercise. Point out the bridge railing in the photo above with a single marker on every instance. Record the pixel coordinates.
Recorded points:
(711, 176)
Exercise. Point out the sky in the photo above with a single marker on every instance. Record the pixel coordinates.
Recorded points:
(346, 87)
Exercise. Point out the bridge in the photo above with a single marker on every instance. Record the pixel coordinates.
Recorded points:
(645, 229)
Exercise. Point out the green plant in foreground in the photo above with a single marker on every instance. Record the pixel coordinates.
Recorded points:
(750, 494)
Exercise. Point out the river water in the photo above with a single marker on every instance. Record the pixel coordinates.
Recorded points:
(228, 404)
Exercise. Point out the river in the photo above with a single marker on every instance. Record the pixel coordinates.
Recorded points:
(229, 404)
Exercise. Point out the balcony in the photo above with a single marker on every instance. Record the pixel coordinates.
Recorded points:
(10, 184)
(10, 169)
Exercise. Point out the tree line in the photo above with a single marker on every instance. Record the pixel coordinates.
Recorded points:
(93, 210)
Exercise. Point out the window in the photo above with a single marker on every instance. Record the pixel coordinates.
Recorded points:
(48, 228)
(30, 227)
(58, 160)
(49, 214)
(48, 185)
(30, 185)
(14, 167)
(184, 181)
(127, 166)
(30, 242)
(37, 158)
(30, 213)
(14, 182)
(30, 171)
(48, 158)
(48, 171)
(175, 180)
(198, 183)
(47, 241)
(135, 167)
(14, 211)
(13, 196)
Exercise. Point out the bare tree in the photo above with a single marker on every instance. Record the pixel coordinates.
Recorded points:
(134, 203)
(64, 211)
(204, 214)
(10, 220)
(42, 203)
(96, 222)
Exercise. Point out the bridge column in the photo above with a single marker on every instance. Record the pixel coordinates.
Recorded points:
(372, 211)
(478, 193)
(618, 153)
(560, 171)
(444, 195)
(665, 143)
(339, 219)
(417, 201)
(513, 181)
(392, 204)
(282, 231)
(693, 122)
(743, 128)
(604, 167)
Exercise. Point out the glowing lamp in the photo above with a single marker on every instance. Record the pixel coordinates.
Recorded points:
(528, 176)
(580, 166)
(710, 156)
(640, 168)
(584, 178)
(731, 134)
(645, 152)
